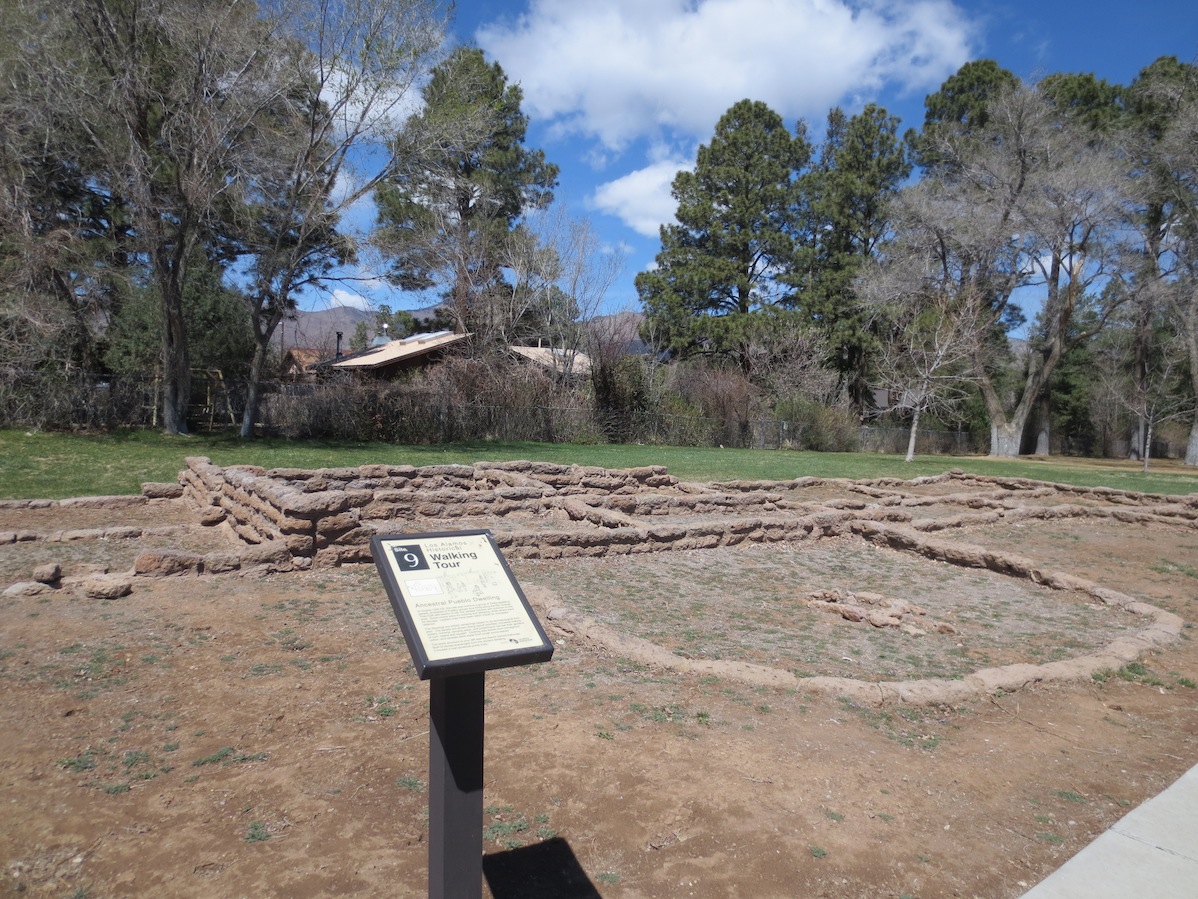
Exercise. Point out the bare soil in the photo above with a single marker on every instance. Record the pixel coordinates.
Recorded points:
(238, 735)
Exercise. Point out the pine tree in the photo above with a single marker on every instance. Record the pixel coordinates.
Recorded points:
(448, 217)
(721, 266)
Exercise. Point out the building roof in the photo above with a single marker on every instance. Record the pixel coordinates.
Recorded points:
(399, 351)
(571, 362)
(302, 356)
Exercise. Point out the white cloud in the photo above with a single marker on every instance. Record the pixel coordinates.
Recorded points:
(367, 106)
(340, 297)
(642, 199)
(624, 69)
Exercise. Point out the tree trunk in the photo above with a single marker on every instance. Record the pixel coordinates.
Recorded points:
(1137, 439)
(1006, 437)
(176, 367)
(1043, 432)
(1147, 445)
(911, 438)
(249, 416)
(1006, 431)
(1189, 329)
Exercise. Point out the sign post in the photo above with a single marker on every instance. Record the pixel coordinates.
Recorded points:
(455, 786)
(462, 613)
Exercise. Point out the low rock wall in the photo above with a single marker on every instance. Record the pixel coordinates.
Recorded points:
(327, 516)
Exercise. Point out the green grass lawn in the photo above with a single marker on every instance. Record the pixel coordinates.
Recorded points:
(52, 466)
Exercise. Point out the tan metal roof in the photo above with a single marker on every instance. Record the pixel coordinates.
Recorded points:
(574, 363)
(400, 350)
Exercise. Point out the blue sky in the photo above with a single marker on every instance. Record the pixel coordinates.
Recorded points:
(620, 93)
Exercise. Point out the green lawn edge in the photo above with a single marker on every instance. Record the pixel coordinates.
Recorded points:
(45, 465)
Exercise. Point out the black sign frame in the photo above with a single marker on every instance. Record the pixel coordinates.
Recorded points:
(391, 568)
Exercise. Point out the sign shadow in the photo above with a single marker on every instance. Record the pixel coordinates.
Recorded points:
(547, 870)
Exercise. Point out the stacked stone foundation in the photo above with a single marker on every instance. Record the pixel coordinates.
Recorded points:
(326, 517)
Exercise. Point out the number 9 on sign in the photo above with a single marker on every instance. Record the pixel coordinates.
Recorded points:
(409, 558)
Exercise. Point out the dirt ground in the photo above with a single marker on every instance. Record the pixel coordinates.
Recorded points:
(242, 735)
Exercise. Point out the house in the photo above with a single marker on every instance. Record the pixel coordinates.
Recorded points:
(559, 361)
(297, 362)
(389, 358)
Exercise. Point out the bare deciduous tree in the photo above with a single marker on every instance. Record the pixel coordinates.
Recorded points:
(1152, 392)
(355, 68)
(1179, 152)
(1030, 200)
(927, 345)
(560, 282)
(165, 97)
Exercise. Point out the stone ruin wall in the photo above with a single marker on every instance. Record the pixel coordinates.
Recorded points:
(543, 510)
(326, 517)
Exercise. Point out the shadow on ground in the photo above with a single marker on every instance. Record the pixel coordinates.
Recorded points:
(547, 870)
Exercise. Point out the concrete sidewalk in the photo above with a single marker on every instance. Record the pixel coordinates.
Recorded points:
(1152, 851)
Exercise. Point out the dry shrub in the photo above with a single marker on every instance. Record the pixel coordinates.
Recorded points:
(459, 399)
(814, 426)
(725, 396)
(56, 400)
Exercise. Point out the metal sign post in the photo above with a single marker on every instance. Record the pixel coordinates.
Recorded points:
(462, 613)
(455, 786)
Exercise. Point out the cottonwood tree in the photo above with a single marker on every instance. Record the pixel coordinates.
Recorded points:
(1154, 393)
(324, 147)
(202, 128)
(1183, 311)
(723, 263)
(1163, 138)
(1030, 199)
(450, 214)
(166, 95)
(927, 326)
(1181, 294)
(559, 281)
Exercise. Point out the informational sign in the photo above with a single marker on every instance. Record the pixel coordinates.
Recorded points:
(458, 603)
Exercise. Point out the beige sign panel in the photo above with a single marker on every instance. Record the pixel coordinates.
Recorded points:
(458, 603)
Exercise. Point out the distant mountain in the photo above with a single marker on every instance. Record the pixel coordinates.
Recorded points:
(619, 332)
(318, 330)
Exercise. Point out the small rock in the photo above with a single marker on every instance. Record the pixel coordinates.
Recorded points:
(50, 573)
(877, 619)
(273, 554)
(26, 588)
(913, 631)
(106, 587)
(212, 516)
(162, 491)
(219, 563)
(851, 613)
(164, 563)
